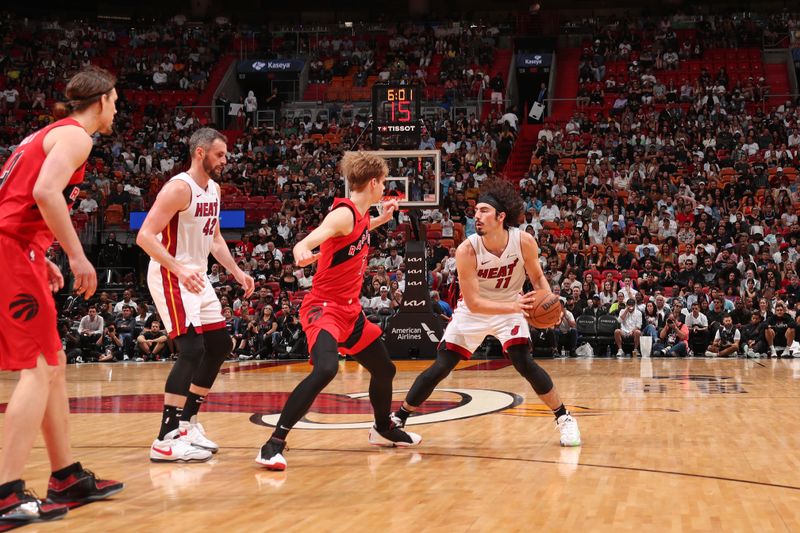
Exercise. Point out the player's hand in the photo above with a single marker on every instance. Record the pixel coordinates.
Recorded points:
(246, 281)
(525, 303)
(193, 280)
(85, 276)
(54, 277)
(388, 207)
(305, 258)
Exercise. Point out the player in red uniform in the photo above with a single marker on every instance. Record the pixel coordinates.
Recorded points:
(38, 183)
(331, 315)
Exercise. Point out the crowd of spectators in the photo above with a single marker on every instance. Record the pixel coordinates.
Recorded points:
(641, 61)
(456, 57)
(675, 206)
(289, 164)
(695, 204)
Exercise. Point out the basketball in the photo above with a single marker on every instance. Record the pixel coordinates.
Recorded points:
(546, 311)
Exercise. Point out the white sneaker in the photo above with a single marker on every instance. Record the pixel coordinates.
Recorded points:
(794, 349)
(620, 353)
(175, 447)
(570, 434)
(196, 434)
(709, 353)
(772, 352)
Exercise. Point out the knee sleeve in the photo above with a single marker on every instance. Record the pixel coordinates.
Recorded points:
(191, 350)
(524, 364)
(375, 358)
(423, 386)
(218, 346)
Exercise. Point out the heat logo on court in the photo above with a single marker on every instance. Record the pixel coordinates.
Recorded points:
(466, 403)
(266, 406)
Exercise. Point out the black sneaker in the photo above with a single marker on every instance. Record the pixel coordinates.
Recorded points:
(81, 487)
(394, 436)
(22, 506)
(271, 454)
(396, 420)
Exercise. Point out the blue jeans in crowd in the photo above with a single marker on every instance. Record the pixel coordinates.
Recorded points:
(679, 349)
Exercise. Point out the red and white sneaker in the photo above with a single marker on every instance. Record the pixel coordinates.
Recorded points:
(271, 455)
(22, 507)
(175, 447)
(80, 487)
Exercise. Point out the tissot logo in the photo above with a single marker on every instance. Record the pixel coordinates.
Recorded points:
(399, 129)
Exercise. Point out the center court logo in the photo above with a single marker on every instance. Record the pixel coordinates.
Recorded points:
(468, 403)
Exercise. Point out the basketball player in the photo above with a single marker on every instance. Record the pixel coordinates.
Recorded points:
(490, 272)
(331, 314)
(38, 185)
(178, 233)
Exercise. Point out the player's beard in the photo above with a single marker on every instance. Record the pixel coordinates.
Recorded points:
(212, 171)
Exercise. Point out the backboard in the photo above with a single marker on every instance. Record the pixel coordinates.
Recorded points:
(414, 176)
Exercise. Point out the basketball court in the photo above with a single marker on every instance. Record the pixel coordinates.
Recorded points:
(669, 445)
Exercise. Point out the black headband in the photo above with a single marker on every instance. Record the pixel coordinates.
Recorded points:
(488, 198)
(78, 101)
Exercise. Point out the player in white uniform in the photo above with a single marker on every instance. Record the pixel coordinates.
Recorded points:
(180, 230)
(491, 269)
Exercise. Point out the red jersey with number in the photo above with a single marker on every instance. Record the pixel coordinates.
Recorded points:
(343, 260)
(20, 218)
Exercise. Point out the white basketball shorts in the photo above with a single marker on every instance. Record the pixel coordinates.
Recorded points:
(179, 308)
(466, 331)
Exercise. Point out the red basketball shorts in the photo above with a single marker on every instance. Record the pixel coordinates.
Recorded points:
(27, 309)
(346, 323)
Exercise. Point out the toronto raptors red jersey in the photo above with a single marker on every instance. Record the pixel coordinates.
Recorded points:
(20, 218)
(340, 268)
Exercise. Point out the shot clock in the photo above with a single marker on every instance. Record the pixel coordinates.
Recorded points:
(396, 116)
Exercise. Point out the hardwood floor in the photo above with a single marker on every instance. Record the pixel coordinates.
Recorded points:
(669, 445)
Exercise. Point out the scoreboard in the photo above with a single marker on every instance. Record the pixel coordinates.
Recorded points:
(396, 116)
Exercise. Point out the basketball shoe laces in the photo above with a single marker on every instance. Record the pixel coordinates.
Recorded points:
(569, 427)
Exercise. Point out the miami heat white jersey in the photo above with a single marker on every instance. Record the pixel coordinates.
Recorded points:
(189, 235)
(500, 278)
(188, 238)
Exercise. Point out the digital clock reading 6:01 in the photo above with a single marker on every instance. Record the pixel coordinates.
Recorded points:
(396, 114)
